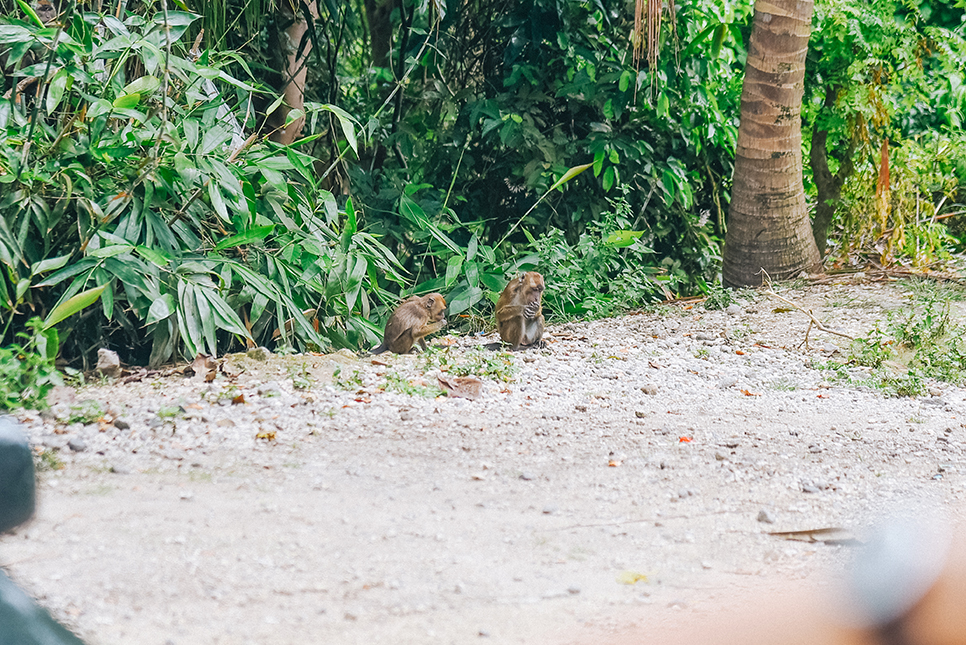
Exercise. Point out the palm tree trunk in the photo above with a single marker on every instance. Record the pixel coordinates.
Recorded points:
(768, 224)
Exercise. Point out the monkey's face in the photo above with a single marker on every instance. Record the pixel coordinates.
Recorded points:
(436, 305)
(533, 287)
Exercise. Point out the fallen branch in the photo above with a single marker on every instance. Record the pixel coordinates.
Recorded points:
(814, 321)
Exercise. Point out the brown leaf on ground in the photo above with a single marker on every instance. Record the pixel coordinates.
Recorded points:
(467, 387)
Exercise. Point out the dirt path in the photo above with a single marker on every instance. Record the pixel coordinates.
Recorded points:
(643, 450)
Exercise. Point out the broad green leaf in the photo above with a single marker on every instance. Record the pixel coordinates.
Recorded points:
(48, 344)
(50, 264)
(188, 316)
(127, 101)
(153, 256)
(55, 89)
(72, 305)
(354, 282)
(471, 248)
(144, 85)
(111, 251)
(29, 10)
(207, 320)
(570, 174)
(99, 107)
(217, 201)
(626, 78)
(668, 181)
(162, 307)
(621, 239)
(22, 286)
(472, 272)
(663, 105)
(10, 34)
(453, 267)
(255, 234)
(463, 300)
(609, 178)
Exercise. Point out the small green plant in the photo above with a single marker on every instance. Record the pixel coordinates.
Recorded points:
(86, 412)
(702, 353)
(301, 377)
(351, 382)
(170, 412)
(398, 383)
(47, 461)
(27, 372)
(478, 361)
(719, 297)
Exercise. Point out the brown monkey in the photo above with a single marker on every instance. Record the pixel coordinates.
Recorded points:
(518, 311)
(414, 319)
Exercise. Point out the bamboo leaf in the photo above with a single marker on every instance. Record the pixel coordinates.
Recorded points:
(72, 305)
(570, 174)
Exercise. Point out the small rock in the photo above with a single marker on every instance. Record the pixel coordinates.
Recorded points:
(483, 633)
(765, 517)
(118, 469)
(573, 591)
(934, 391)
(811, 487)
(733, 310)
(405, 415)
(677, 604)
(549, 509)
(727, 381)
(77, 444)
(526, 476)
(649, 389)
(703, 336)
(121, 424)
(108, 363)
(225, 423)
(640, 414)
(580, 408)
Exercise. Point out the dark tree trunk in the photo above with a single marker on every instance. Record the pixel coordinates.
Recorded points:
(768, 225)
(378, 14)
(827, 185)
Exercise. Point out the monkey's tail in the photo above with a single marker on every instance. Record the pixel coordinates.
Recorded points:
(380, 349)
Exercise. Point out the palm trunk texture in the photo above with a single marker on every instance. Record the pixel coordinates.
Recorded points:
(768, 224)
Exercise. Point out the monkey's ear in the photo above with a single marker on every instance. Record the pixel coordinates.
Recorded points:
(430, 301)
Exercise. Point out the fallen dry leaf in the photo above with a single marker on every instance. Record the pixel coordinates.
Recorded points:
(467, 387)
(747, 393)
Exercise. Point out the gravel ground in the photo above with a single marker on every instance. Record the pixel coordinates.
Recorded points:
(630, 472)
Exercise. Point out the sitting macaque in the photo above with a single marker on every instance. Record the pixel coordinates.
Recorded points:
(518, 311)
(412, 321)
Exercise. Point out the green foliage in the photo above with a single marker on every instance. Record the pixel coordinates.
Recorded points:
(411, 387)
(885, 80)
(606, 272)
(564, 94)
(719, 297)
(27, 372)
(126, 181)
(47, 460)
(86, 412)
(349, 382)
(920, 341)
(478, 361)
